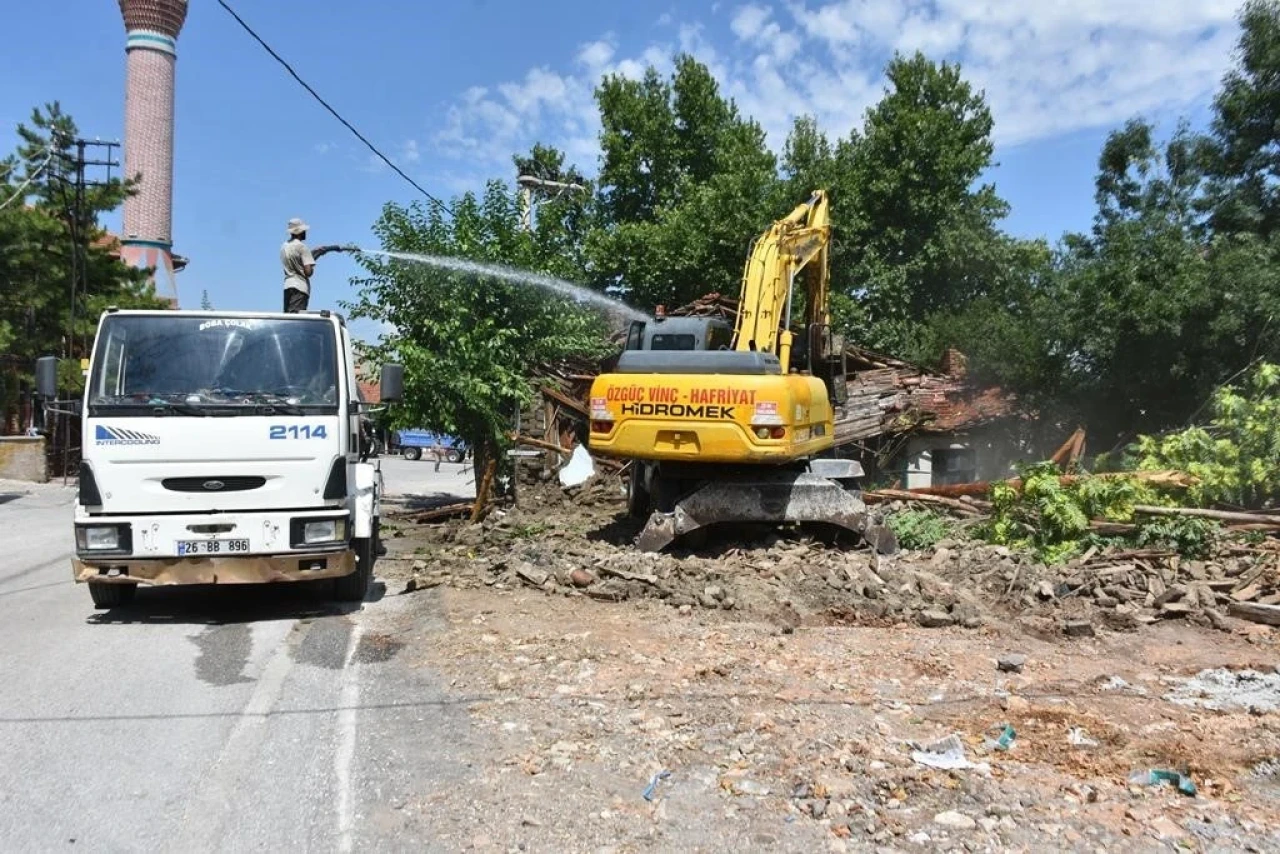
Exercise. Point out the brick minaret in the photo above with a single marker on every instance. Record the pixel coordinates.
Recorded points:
(151, 49)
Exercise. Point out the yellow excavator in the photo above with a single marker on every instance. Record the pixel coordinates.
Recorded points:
(735, 425)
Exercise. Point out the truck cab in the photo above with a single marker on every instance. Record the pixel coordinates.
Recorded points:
(225, 448)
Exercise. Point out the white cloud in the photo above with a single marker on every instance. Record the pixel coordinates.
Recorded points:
(596, 55)
(1046, 68)
(749, 20)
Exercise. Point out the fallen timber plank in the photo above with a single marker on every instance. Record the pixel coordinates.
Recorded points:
(1219, 515)
(565, 400)
(438, 513)
(1255, 613)
(1162, 478)
(876, 496)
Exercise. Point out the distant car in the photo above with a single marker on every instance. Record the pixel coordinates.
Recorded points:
(413, 443)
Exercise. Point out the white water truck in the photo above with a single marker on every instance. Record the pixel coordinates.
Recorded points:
(223, 448)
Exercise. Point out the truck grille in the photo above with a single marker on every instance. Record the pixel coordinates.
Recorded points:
(212, 484)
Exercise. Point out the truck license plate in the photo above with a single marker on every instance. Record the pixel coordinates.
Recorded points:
(212, 547)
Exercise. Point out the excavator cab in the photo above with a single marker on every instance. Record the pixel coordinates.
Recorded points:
(680, 333)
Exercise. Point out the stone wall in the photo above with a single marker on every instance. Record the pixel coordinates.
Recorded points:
(23, 458)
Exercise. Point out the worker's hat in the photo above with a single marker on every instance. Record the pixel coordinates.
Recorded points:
(296, 226)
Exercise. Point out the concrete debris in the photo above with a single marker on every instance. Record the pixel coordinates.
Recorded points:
(1223, 690)
(1011, 663)
(955, 820)
(1078, 737)
(1078, 629)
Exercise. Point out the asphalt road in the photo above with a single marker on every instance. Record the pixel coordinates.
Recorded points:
(217, 719)
(420, 479)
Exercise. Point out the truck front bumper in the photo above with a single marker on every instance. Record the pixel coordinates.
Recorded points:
(272, 548)
(251, 569)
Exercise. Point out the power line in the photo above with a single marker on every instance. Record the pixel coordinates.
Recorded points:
(34, 175)
(336, 114)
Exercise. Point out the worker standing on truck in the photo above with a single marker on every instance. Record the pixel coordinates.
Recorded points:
(299, 263)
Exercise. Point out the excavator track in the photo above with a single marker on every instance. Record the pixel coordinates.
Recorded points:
(772, 498)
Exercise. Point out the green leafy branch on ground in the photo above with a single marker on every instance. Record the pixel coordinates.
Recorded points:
(920, 529)
(1052, 517)
(1235, 458)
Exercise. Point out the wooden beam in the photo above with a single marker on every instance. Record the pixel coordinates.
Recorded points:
(538, 443)
(1255, 613)
(564, 399)
(879, 495)
(484, 488)
(1219, 515)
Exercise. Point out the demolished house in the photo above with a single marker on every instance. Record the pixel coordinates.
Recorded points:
(910, 426)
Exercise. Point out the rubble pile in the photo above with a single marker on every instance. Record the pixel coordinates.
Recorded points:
(578, 542)
(888, 396)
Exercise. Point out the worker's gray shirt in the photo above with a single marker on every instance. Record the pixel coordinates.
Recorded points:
(294, 257)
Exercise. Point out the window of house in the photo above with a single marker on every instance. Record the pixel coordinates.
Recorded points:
(953, 465)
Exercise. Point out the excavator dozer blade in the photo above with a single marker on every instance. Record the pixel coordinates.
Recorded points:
(770, 498)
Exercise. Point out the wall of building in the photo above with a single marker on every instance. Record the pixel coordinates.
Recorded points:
(984, 454)
(23, 458)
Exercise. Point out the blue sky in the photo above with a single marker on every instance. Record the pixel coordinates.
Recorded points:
(451, 90)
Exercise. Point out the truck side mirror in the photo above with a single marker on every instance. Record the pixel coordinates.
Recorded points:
(47, 376)
(391, 384)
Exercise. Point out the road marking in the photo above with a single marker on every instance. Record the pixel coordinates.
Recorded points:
(344, 756)
(201, 825)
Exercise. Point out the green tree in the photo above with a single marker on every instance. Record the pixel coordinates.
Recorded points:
(686, 182)
(42, 240)
(469, 342)
(205, 303)
(1012, 335)
(1234, 456)
(917, 233)
(1138, 301)
(1246, 128)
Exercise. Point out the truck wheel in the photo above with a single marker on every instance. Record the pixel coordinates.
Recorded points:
(351, 588)
(413, 453)
(453, 456)
(637, 496)
(112, 595)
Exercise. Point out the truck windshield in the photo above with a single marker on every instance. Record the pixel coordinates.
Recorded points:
(214, 366)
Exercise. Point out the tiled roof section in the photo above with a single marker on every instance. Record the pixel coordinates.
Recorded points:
(368, 383)
(970, 408)
(369, 392)
(890, 395)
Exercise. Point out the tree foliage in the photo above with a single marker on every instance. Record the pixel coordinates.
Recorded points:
(1128, 327)
(1235, 457)
(42, 240)
(686, 182)
(469, 342)
(1052, 519)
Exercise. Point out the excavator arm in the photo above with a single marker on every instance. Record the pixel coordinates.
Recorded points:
(795, 246)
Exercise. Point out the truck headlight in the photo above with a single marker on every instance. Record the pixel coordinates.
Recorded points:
(98, 538)
(324, 531)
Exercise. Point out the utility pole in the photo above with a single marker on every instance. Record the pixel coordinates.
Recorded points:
(74, 181)
(528, 183)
